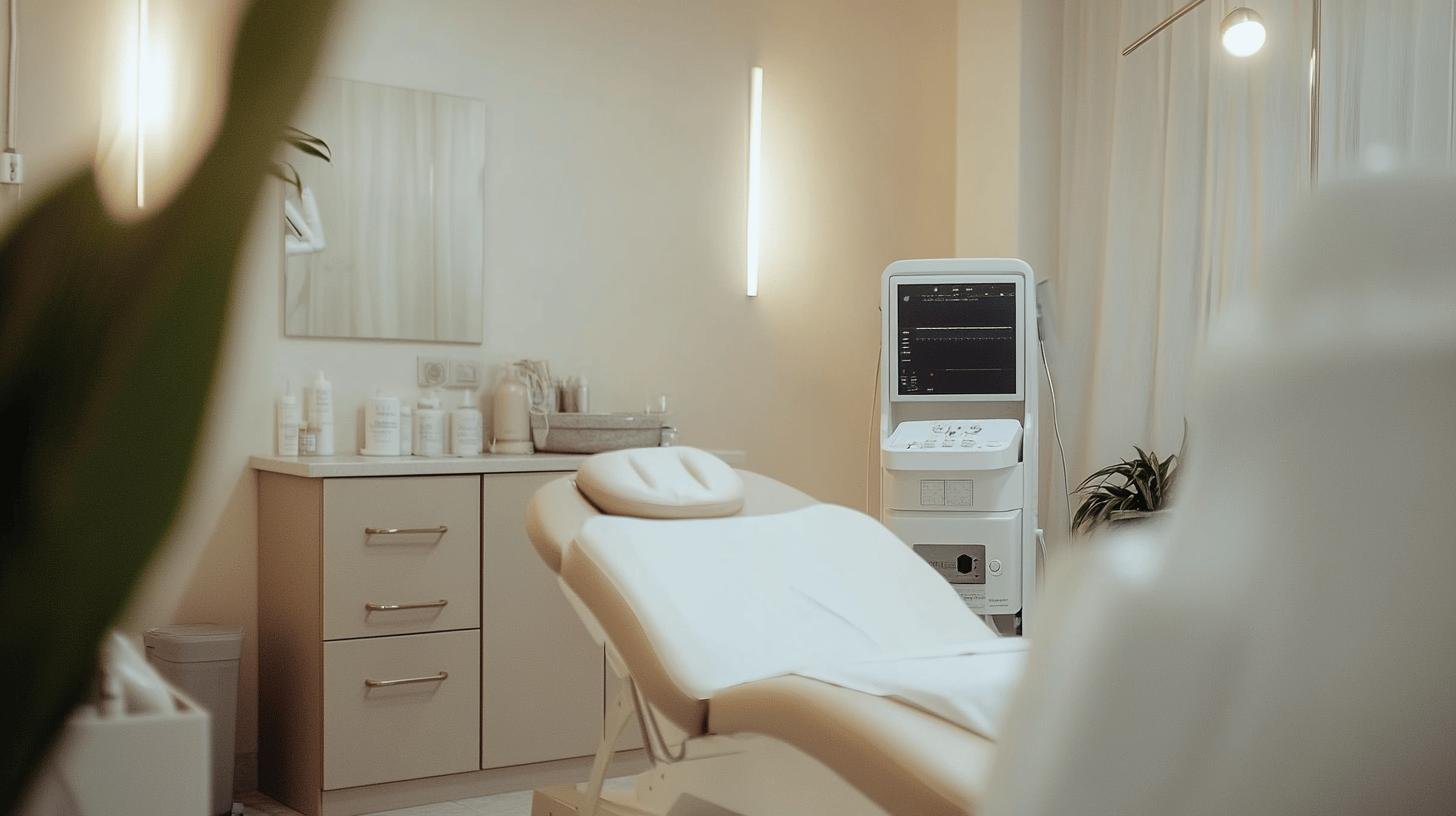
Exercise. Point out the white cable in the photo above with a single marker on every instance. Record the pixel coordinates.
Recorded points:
(10, 78)
(870, 470)
(1057, 430)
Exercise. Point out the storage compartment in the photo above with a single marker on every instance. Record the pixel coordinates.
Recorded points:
(541, 684)
(594, 433)
(401, 708)
(401, 555)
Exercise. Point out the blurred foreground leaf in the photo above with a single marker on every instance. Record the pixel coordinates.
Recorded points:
(109, 336)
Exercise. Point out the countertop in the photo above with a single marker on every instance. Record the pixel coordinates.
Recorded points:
(322, 467)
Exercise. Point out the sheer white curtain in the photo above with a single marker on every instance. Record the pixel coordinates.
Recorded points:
(1180, 162)
(1386, 100)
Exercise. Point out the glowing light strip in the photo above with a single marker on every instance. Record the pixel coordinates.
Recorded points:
(141, 144)
(755, 170)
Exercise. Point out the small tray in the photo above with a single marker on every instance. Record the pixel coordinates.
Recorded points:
(594, 433)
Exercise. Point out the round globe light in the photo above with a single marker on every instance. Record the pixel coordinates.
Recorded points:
(1243, 32)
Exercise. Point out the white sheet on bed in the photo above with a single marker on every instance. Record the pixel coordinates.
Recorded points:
(727, 601)
(969, 689)
(824, 592)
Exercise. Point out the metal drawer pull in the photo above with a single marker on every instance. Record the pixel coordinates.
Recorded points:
(432, 678)
(376, 607)
(440, 530)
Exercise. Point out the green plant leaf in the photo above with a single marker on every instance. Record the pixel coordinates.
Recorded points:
(1101, 476)
(1144, 493)
(109, 336)
(291, 175)
(308, 143)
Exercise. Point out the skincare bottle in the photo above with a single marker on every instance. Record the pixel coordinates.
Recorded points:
(582, 395)
(289, 418)
(307, 440)
(381, 425)
(406, 429)
(429, 427)
(465, 428)
(321, 413)
(565, 397)
(510, 416)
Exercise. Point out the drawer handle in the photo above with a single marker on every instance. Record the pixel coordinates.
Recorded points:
(405, 681)
(373, 531)
(378, 607)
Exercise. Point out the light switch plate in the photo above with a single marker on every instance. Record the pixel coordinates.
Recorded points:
(432, 372)
(464, 374)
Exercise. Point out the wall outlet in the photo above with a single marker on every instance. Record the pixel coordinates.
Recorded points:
(12, 167)
(464, 374)
(432, 372)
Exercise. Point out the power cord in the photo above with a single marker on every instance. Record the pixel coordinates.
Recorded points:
(870, 469)
(1057, 431)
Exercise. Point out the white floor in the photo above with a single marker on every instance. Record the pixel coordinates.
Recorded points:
(501, 804)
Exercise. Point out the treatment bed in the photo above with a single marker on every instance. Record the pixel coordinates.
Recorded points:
(779, 655)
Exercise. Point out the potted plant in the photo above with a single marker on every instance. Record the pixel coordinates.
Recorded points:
(1131, 490)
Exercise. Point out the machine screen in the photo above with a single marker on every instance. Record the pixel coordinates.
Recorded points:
(957, 338)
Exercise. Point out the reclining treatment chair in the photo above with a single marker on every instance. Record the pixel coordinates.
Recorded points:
(780, 656)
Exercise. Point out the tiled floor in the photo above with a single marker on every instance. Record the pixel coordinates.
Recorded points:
(501, 804)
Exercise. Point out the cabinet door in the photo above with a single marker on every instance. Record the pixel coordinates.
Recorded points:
(541, 673)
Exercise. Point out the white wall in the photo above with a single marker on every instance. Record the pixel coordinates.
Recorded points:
(616, 173)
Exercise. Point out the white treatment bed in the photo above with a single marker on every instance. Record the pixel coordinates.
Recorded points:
(779, 655)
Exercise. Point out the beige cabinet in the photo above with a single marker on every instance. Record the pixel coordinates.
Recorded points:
(369, 632)
(541, 673)
(412, 646)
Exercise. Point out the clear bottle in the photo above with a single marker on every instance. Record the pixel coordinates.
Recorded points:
(307, 440)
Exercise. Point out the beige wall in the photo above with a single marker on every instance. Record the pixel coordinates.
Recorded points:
(616, 170)
(988, 127)
(1008, 163)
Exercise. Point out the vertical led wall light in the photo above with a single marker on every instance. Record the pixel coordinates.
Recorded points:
(141, 95)
(755, 172)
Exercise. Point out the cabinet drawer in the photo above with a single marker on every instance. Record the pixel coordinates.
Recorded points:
(401, 708)
(401, 555)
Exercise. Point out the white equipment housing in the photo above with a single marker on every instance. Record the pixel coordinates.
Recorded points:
(958, 445)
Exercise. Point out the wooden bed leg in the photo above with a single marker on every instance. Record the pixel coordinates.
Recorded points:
(617, 717)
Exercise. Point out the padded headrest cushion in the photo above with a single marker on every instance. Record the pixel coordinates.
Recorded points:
(661, 483)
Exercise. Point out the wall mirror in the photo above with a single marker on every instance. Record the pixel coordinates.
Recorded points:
(401, 215)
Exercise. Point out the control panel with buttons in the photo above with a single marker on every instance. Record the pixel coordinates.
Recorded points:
(953, 444)
(977, 553)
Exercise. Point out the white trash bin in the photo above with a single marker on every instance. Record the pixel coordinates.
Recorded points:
(201, 659)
